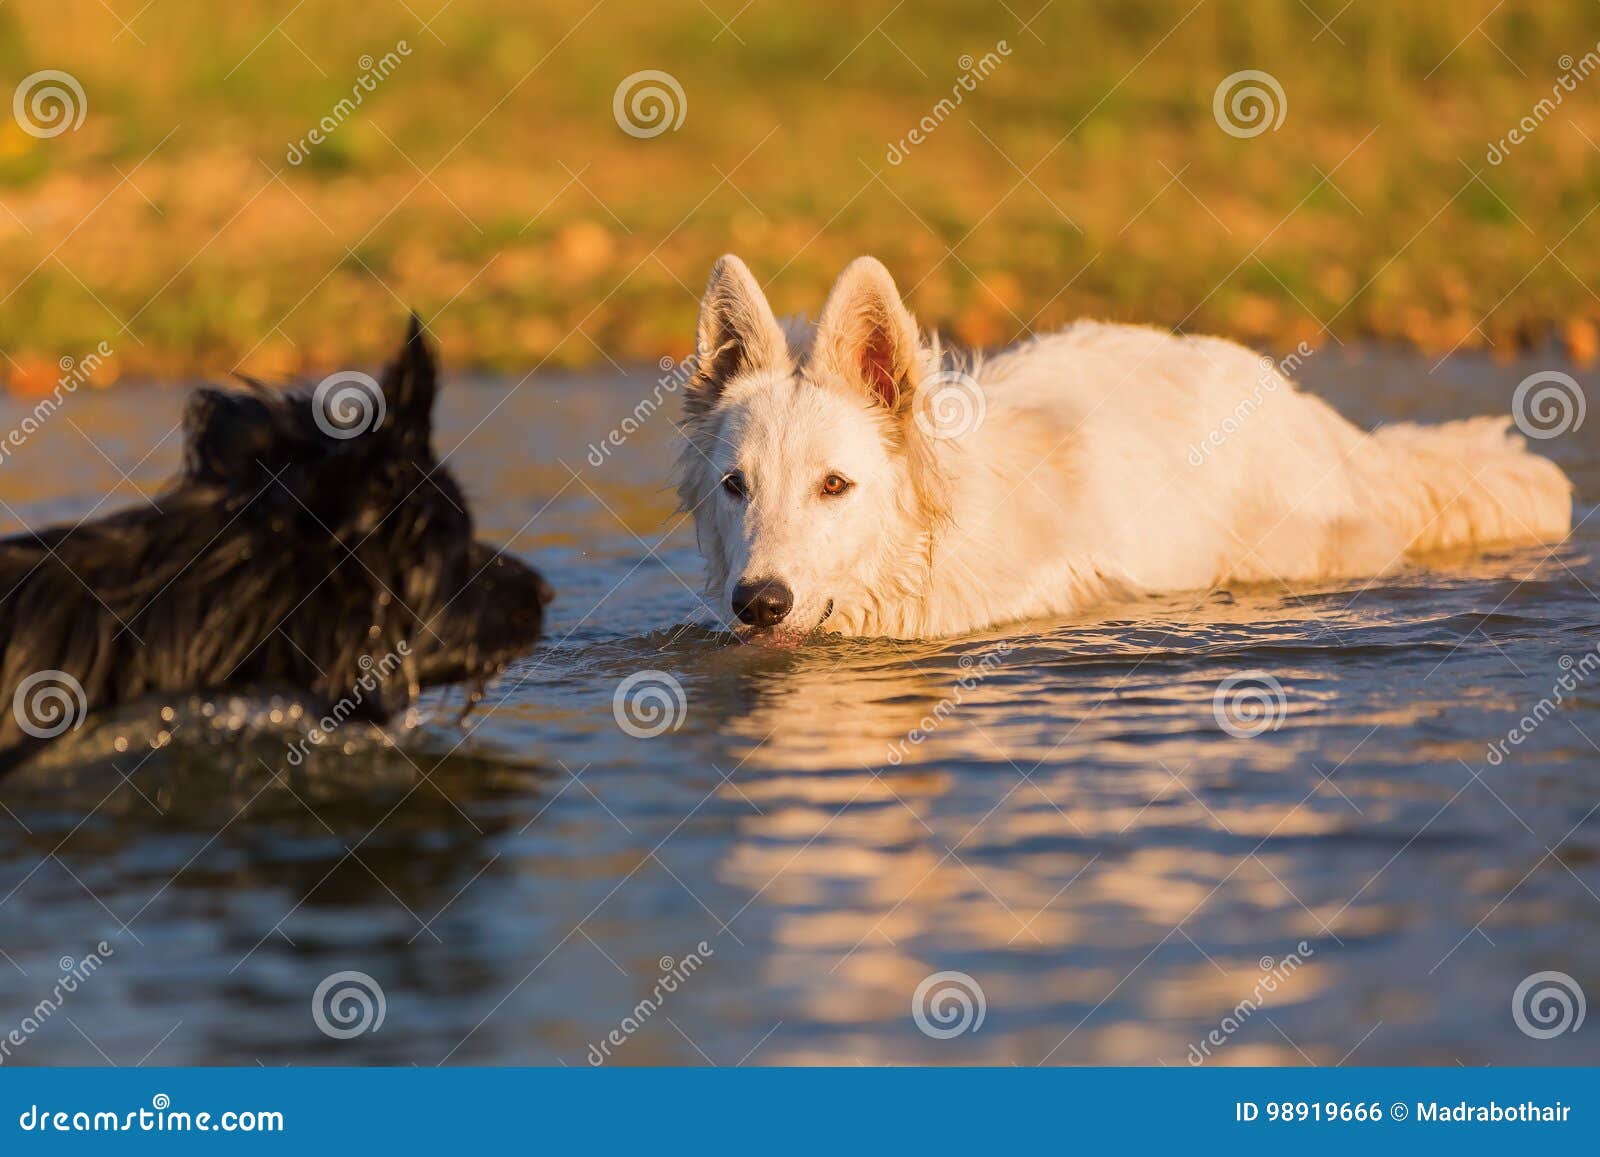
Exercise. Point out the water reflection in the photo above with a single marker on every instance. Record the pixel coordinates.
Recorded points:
(1055, 811)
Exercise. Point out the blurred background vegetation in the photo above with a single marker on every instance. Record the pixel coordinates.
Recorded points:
(487, 182)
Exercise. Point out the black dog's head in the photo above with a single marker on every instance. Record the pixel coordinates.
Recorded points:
(312, 540)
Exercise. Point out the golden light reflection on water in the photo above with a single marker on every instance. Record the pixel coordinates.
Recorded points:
(1054, 816)
(1073, 828)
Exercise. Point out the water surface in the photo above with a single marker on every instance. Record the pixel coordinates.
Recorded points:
(1074, 831)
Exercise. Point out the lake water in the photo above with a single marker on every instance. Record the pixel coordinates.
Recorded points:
(1120, 879)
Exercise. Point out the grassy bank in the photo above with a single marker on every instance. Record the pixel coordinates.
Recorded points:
(484, 178)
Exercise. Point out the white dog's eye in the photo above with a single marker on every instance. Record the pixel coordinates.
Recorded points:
(734, 484)
(834, 485)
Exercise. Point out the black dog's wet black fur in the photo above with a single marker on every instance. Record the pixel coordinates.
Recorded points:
(281, 556)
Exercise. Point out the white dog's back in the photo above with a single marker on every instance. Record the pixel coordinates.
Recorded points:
(1115, 459)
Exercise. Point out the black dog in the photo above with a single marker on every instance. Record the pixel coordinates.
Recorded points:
(295, 549)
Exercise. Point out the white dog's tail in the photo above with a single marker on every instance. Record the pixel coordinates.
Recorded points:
(1468, 484)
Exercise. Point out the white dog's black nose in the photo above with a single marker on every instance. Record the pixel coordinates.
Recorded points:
(763, 603)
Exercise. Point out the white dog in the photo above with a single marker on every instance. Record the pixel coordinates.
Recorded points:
(845, 480)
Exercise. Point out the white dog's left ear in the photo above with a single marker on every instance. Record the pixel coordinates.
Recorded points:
(737, 334)
(867, 336)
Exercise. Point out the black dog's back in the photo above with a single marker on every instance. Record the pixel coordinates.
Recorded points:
(295, 549)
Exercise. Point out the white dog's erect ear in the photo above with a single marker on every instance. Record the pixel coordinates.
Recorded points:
(737, 333)
(867, 336)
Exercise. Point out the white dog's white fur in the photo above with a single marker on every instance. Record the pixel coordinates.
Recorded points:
(1098, 471)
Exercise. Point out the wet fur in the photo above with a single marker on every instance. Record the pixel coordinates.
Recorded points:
(1078, 487)
(281, 556)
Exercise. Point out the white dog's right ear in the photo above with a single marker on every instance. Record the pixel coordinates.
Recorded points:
(867, 336)
(737, 334)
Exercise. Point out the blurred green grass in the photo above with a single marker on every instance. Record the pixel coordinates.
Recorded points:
(486, 181)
